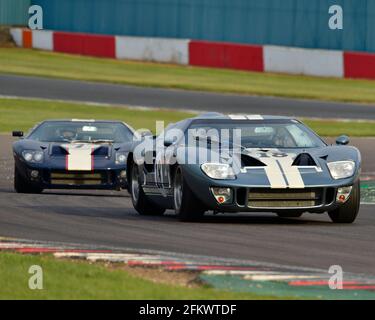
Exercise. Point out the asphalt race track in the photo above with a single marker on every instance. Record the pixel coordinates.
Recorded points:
(107, 218)
(177, 99)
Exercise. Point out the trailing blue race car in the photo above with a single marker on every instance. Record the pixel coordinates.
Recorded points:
(277, 164)
(72, 154)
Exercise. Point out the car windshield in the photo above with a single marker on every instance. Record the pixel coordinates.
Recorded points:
(81, 131)
(257, 133)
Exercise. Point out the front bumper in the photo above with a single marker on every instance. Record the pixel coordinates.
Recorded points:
(248, 199)
(55, 178)
(259, 198)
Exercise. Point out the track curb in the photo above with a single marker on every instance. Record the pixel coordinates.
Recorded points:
(224, 274)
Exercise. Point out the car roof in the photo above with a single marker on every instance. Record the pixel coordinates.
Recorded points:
(221, 116)
(82, 120)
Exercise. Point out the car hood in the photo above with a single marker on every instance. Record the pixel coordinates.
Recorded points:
(289, 168)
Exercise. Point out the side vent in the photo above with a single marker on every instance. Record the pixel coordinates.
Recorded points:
(304, 159)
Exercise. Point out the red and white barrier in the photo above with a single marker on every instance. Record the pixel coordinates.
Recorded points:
(153, 49)
(17, 36)
(311, 62)
(85, 44)
(322, 63)
(226, 55)
(42, 40)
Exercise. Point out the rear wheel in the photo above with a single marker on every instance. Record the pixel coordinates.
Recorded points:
(187, 206)
(347, 213)
(290, 214)
(141, 202)
(21, 185)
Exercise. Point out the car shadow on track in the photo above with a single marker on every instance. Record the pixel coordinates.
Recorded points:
(87, 194)
(127, 213)
(260, 219)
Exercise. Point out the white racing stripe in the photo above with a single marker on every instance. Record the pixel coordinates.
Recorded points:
(292, 173)
(274, 174)
(80, 157)
(254, 117)
(279, 170)
(237, 117)
(245, 117)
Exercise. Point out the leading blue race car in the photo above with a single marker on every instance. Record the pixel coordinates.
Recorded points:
(72, 154)
(275, 164)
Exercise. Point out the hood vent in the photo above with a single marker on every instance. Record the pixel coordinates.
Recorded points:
(247, 161)
(101, 151)
(304, 159)
(58, 151)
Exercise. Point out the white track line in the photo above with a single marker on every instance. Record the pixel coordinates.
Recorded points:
(100, 104)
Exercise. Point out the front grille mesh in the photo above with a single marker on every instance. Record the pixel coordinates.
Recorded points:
(285, 198)
(79, 178)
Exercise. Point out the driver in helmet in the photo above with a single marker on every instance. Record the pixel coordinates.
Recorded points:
(68, 134)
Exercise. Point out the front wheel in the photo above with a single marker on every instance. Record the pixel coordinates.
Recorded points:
(21, 185)
(347, 213)
(187, 206)
(141, 202)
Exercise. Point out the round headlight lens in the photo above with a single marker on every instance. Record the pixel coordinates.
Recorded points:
(121, 157)
(28, 156)
(32, 156)
(38, 156)
(218, 171)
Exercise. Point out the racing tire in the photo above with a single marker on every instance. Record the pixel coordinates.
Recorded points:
(290, 214)
(21, 185)
(347, 213)
(141, 203)
(187, 206)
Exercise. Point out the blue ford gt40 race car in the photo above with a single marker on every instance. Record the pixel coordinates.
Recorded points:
(241, 163)
(72, 154)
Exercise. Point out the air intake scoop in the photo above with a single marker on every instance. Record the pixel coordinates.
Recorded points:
(305, 160)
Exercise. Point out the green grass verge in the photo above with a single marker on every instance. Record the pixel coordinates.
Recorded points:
(23, 114)
(80, 280)
(337, 128)
(47, 64)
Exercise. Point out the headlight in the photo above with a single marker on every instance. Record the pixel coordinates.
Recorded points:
(218, 171)
(121, 157)
(341, 169)
(33, 156)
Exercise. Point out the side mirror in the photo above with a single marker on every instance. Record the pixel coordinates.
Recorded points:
(146, 133)
(17, 133)
(168, 142)
(342, 140)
